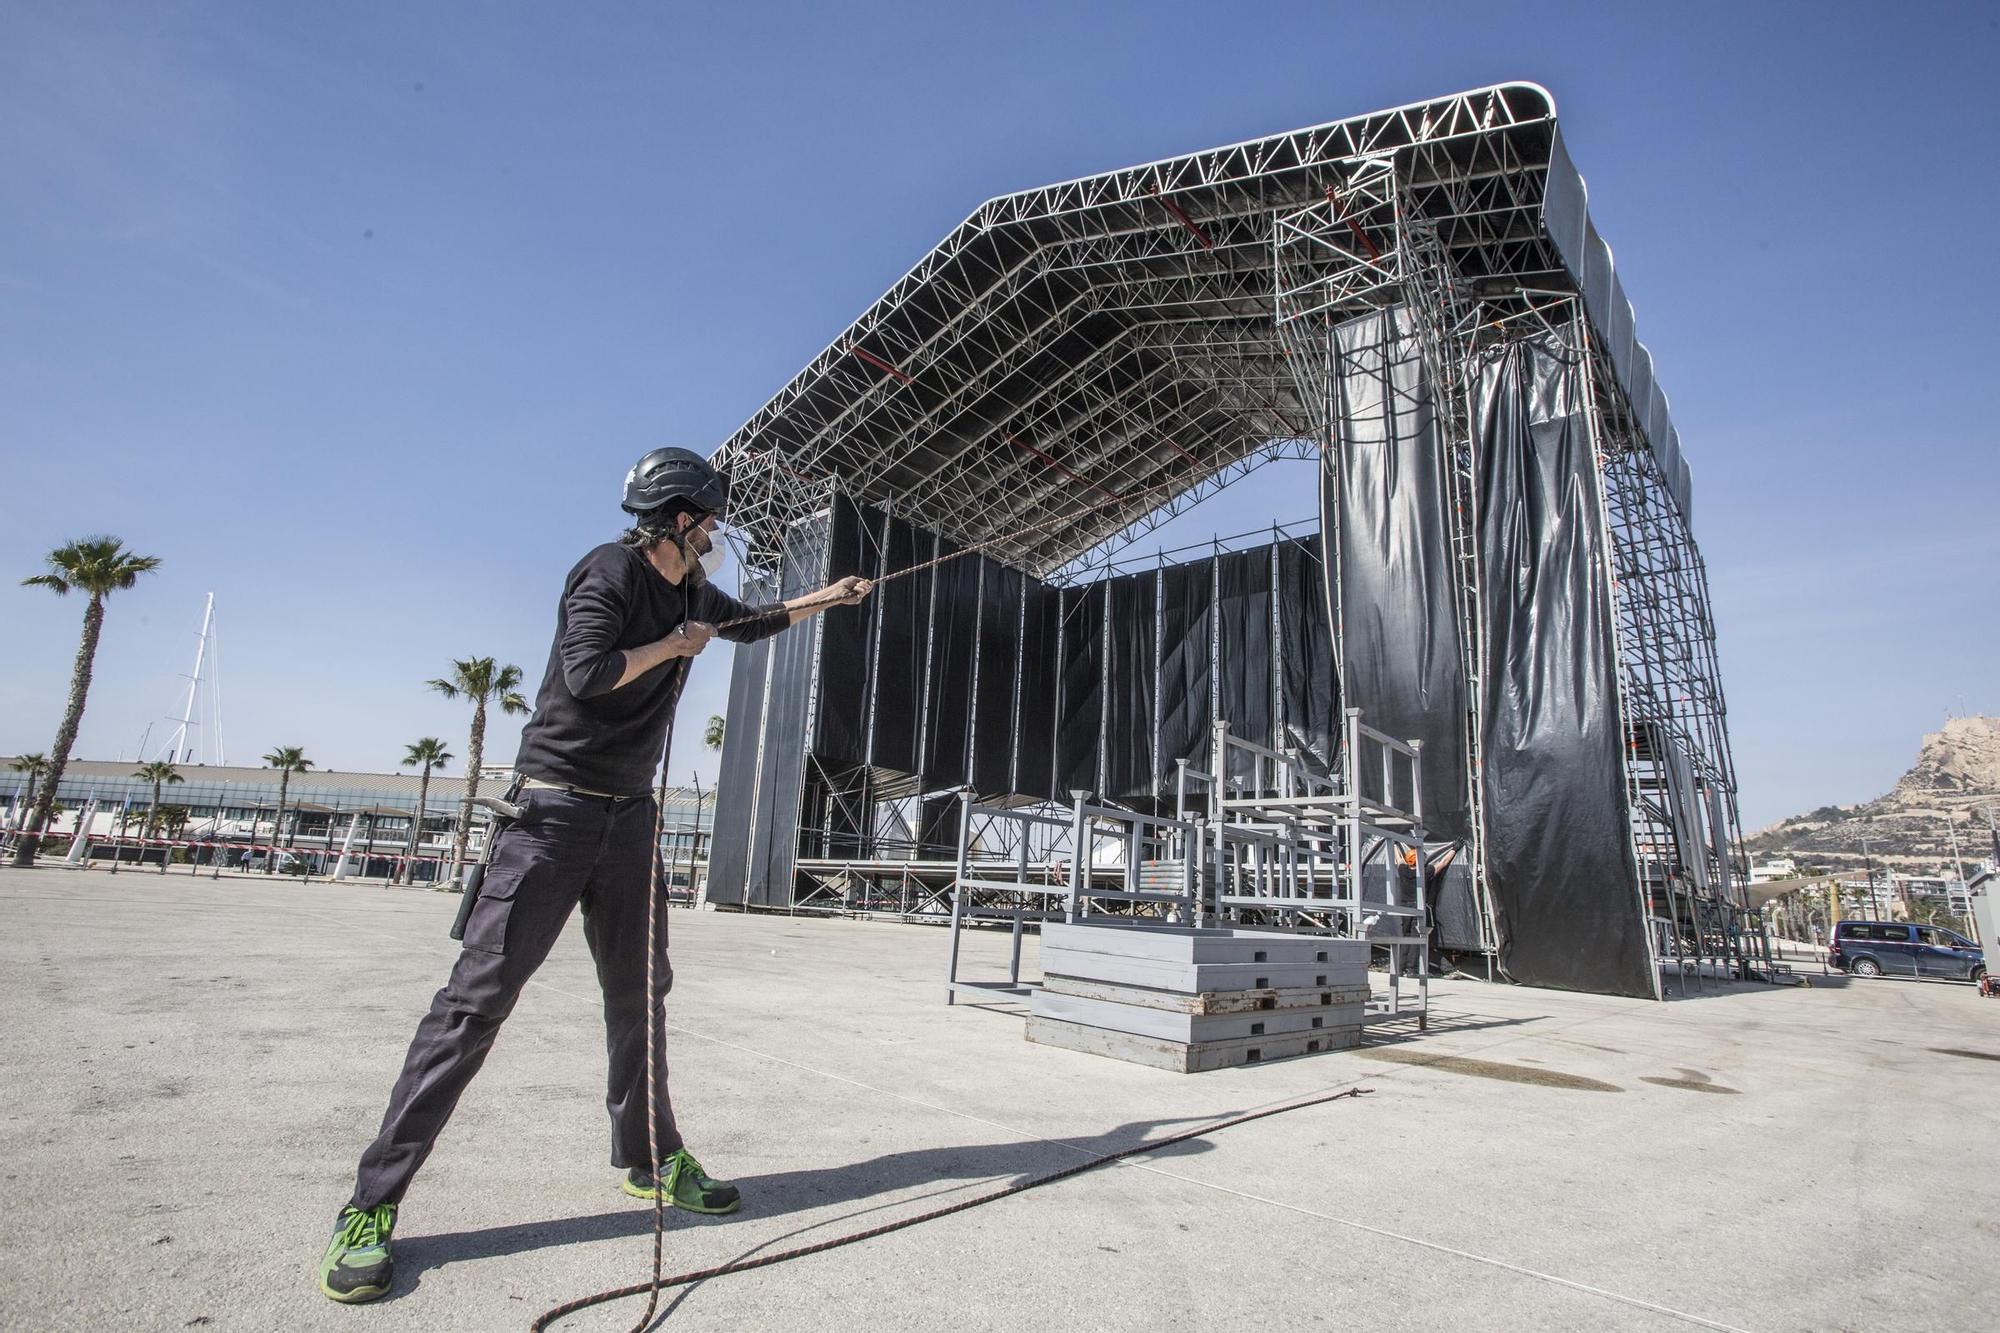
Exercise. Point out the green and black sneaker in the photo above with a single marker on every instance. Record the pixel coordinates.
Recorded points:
(357, 1266)
(688, 1186)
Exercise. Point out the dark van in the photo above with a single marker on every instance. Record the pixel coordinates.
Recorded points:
(1899, 949)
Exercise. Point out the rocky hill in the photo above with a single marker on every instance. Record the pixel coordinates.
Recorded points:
(1952, 786)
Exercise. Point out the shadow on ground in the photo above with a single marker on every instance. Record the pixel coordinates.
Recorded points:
(786, 1192)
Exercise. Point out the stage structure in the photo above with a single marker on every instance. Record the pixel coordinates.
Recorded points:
(1503, 569)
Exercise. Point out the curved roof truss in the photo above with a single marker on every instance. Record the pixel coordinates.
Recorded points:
(1071, 361)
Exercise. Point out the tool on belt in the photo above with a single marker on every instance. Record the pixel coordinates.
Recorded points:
(504, 813)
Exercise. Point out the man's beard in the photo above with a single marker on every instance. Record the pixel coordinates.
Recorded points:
(694, 543)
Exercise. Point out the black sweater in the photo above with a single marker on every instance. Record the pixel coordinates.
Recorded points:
(588, 733)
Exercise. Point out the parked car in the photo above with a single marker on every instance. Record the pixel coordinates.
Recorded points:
(1899, 949)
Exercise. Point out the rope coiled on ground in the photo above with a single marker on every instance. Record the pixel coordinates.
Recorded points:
(659, 1284)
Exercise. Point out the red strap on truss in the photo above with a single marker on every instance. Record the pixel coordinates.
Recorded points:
(780, 464)
(1185, 220)
(1340, 211)
(1079, 480)
(877, 362)
(1173, 445)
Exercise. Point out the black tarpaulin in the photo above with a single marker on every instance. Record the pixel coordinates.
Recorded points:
(1455, 907)
(1128, 683)
(774, 839)
(999, 662)
(1399, 636)
(1243, 659)
(1080, 711)
(1311, 694)
(736, 780)
(840, 723)
(1187, 620)
(972, 672)
(903, 635)
(1041, 687)
(1558, 851)
(948, 686)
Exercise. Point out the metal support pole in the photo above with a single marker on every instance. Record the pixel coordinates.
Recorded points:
(958, 893)
(1079, 848)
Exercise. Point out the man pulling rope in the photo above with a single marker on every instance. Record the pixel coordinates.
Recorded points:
(632, 614)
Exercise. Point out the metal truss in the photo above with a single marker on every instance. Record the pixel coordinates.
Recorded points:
(1087, 352)
(769, 499)
(1681, 778)
(1342, 855)
(1106, 558)
(1366, 246)
(1074, 365)
(1281, 848)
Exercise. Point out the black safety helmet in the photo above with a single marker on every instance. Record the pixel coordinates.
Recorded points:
(666, 475)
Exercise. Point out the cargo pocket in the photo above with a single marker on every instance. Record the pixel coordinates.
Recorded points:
(486, 930)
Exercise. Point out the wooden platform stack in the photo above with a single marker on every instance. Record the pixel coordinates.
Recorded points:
(1192, 1000)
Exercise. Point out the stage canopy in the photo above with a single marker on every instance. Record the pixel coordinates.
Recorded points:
(1081, 361)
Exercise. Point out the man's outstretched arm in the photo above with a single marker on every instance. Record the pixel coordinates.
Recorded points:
(739, 622)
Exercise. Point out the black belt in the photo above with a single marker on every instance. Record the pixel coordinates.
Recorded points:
(537, 784)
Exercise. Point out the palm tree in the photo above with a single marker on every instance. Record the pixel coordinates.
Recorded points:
(98, 566)
(481, 680)
(157, 772)
(288, 760)
(711, 735)
(34, 765)
(429, 752)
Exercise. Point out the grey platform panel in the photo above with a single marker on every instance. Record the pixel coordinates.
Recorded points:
(1184, 944)
(1247, 1001)
(1182, 1057)
(1194, 978)
(1199, 1029)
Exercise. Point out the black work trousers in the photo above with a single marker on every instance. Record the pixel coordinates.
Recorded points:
(565, 849)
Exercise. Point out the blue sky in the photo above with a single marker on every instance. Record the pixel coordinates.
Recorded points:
(355, 314)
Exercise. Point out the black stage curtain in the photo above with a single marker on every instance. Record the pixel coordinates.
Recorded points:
(1558, 853)
(1243, 685)
(903, 636)
(1400, 636)
(1041, 689)
(1079, 714)
(1032, 727)
(774, 842)
(1187, 623)
(840, 729)
(1128, 680)
(736, 782)
(948, 700)
(1311, 686)
(999, 664)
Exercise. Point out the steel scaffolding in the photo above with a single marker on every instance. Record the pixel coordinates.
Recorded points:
(1104, 346)
(1681, 778)
(1075, 364)
(1366, 246)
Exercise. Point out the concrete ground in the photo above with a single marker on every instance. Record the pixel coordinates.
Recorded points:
(192, 1066)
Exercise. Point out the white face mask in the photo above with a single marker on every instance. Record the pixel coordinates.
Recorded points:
(713, 559)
